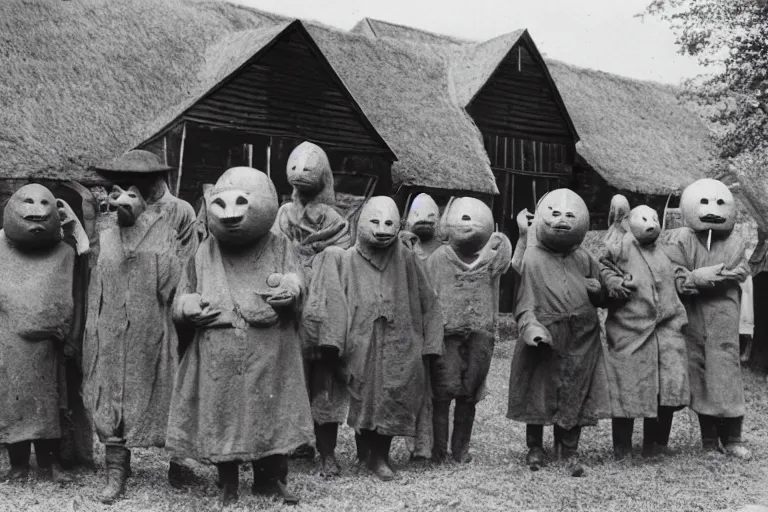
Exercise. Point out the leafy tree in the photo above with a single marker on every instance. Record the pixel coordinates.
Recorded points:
(730, 40)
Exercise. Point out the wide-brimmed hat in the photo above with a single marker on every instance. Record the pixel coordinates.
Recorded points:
(136, 161)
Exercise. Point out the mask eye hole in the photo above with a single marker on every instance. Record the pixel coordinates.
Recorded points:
(132, 195)
(293, 168)
(388, 223)
(704, 201)
(375, 221)
(466, 217)
(29, 200)
(218, 202)
(555, 213)
(241, 200)
(720, 202)
(44, 202)
(645, 220)
(570, 215)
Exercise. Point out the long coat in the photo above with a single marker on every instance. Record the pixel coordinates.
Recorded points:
(130, 347)
(712, 333)
(566, 384)
(240, 392)
(388, 313)
(36, 311)
(647, 358)
(311, 229)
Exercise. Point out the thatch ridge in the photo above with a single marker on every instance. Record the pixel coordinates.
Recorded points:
(381, 28)
(636, 134)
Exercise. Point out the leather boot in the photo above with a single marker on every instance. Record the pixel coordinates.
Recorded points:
(650, 435)
(326, 435)
(710, 440)
(440, 417)
(270, 477)
(229, 480)
(179, 474)
(664, 428)
(621, 429)
(463, 420)
(730, 435)
(566, 448)
(363, 450)
(117, 462)
(378, 459)
(48, 455)
(534, 439)
(18, 453)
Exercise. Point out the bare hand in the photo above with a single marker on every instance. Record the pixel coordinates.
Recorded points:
(197, 311)
(524, 220)
(537, 335)
(709, 276)
(280, 298)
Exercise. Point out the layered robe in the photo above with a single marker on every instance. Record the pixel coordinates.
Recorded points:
(565, 384)
(312, 228)
(240, 393)
(712, 333)
(382, 302)
(647, 359)
(36, 314)
(130, 347)
(469, 300)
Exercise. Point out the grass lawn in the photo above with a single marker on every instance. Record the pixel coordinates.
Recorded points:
(495, 480)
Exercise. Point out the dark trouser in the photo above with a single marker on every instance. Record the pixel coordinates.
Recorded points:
(655, 430)
(567, 438)
(47, 452)
(325, 437)
(377, 445)
(725, 430)
(458, 374)
(273, 467)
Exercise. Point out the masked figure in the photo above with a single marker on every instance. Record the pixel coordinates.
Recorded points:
(420, 234)
(130, 347)
(240, 395)
(36, 315)
(618, 219)
(713, 261)
(312, 224)
(465, 274)
(373, 302)
(647, 356)
(558, 373)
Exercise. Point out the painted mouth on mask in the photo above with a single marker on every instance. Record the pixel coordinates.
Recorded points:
(36, 229)
(383, 237)
(711, 218)
(302, 183)
(231, 222)
(650, 230)
(424, 223)
(561, 228)
(36, 218)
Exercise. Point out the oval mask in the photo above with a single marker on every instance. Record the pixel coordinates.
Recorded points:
(242, 206)
(423, 217)
(128, 204)
(379, 222)
(468, 225)
(561, 220)
(644, 224)
(708, 204)
(31, 218)
(309, 172)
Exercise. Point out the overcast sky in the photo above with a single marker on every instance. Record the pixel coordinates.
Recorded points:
(599, 34)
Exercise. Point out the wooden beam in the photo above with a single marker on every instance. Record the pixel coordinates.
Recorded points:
(181, 158)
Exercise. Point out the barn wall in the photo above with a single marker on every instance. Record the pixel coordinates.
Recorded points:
(289, 92)
(518, 101)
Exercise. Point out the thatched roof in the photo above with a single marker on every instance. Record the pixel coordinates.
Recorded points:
(81, 78)
(636, 134)
(106, 76)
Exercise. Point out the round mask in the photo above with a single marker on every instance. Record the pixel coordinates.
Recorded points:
(31, 218)
(242, 206)
(309, 171)
(468, 224)
(644, 224)
(423, 217)
(379, 223)
(708, 204)
(561, 220)
(128, 204)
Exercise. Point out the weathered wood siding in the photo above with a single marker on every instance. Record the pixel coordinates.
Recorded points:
(518, 101)
(289, 92)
